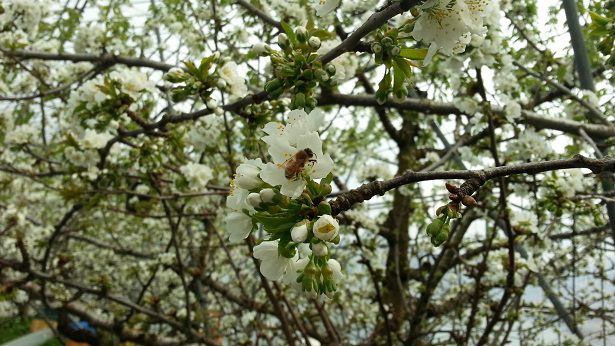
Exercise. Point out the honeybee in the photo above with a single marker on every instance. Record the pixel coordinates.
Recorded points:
(297, 163)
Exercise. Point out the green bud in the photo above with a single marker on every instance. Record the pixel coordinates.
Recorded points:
(381, 97)
(442, 210)
(441, 237)
(376, 48)
(387, 42)
(273, 84)
(307, 74)
(298, 100)
(283, 40)
(394, 51)
(324, 208)
(330, 68)
(326, 189)
(314, 42)
(176, 75)
(435, 227)
(311, 103)
(400, 94)
(301, 33)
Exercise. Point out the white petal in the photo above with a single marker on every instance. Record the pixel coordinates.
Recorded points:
(336, 268)
(293, 188)
(280, 149)
(296, 115)
(273, 174)
(274, 128)
(272, 270)
(315, 120)
(310, 140)
(265, 250)
(322, 167)
(238, 225)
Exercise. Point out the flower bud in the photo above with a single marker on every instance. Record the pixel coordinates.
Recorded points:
(326, 228)
(254, 199)
(434, 227)
(273, 85)
(261, 48)
(298, 100)
(400, 94)
(330, 68)
(439, 238)
(394, 51)
(324, 208)
(320, 249)
(283, 41)
(247, 176)
(314, 42)
(218, 111)
(299, 232)
(176, 75)
(468, 201)
(267, 195)
(221, 83)
(376, 48)
(212, 104)
(301, 33)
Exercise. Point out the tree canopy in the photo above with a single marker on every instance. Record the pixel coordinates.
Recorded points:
(310, 172)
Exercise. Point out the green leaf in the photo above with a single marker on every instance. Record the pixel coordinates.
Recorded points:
(289, 32)
(398, 76)
(413, 53)
(403, 65)
(598, 19)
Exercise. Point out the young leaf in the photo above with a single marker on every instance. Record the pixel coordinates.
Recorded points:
(413, 53)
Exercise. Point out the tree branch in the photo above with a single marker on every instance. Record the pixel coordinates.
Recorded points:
(475, 178)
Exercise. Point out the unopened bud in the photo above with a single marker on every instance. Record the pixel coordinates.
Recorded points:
(376, 48)
(314, 42)
(254, 199)
(468, 201)
(299, 232)
(283, 41)
(320, 249)
(267, 195)
(301, 33)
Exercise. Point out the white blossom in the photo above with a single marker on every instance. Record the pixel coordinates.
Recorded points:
(285, 141)
(197, 174)
(326, 228)
(95, 140)
(325, 7)
(299, 232)
(447, 25)
(238, 225)
(229, 73)
(273, 266)
(247, 174)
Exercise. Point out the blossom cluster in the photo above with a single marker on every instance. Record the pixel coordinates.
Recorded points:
(449, 25)
(283, 198)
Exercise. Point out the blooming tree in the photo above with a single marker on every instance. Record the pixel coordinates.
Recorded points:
(309, 172)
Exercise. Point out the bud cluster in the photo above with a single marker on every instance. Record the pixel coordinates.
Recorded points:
(388, 51)
(439, 229)
(292, 222)
(297, 67)
(193, 80)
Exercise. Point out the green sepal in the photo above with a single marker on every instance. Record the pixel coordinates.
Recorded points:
(324, 208)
